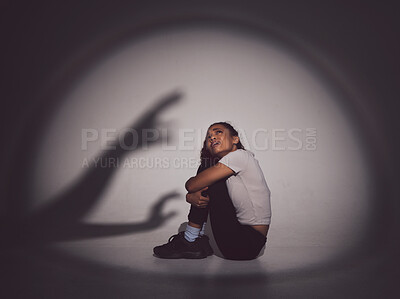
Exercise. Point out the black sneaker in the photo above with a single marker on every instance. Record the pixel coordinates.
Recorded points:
(205, 244)
(178, 247)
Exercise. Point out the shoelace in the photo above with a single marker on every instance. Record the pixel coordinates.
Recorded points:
(172, 238)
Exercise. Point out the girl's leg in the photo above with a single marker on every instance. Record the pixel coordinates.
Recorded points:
(236, 241)
(198, 216)
(197, 219)
(191, 243)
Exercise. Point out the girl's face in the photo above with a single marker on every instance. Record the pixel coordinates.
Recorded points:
(220, 142)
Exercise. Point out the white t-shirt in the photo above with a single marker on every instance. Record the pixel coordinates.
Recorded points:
(247, 188)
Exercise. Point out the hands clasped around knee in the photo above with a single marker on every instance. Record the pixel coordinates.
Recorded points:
(198, 199)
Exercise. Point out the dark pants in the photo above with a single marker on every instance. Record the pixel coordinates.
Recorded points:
(234, 240)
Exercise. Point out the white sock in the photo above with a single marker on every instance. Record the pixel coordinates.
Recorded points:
(191, 233)
(203, 229)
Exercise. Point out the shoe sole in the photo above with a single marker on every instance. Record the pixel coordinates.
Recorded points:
(184, 255)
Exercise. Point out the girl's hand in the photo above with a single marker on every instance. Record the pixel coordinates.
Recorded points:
(198, 200)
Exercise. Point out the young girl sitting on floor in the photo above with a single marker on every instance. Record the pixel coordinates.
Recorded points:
(238, 202)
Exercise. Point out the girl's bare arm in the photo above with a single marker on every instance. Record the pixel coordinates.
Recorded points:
(208, 177)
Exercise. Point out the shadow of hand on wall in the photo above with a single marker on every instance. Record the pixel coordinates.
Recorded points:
(62, 218)
(80, 230)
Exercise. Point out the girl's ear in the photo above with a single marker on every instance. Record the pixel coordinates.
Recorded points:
(235, 140)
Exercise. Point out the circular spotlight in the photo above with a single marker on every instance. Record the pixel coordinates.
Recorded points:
(288, 114)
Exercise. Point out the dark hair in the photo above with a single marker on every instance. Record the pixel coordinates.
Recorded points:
(206, 158)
